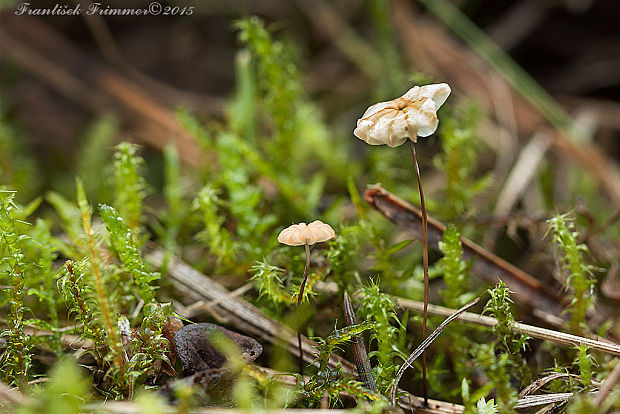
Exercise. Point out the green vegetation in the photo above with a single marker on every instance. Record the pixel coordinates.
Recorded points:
(578, 274)
(79, 274)
(17, 360)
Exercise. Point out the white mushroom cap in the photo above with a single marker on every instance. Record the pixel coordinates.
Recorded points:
(302, 233)
(412, 115)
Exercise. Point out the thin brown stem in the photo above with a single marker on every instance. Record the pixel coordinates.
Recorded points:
(424, 264)
(299, 299)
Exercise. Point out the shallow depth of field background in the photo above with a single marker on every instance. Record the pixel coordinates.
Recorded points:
(536, 85)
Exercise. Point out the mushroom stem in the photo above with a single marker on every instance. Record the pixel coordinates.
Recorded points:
(424, 264)
(299, 299)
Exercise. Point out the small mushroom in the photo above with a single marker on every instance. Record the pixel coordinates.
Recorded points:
(411, 116)
(392, 123)
(303, 234)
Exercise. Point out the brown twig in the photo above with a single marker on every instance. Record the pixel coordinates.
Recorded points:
(488, 266)
(241, 314)
(195, 308)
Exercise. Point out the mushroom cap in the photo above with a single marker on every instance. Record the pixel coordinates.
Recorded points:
(411, 116)
(302, 233)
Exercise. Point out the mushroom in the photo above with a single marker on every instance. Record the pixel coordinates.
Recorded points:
(411, 116)
(392, 123)
(303, 234)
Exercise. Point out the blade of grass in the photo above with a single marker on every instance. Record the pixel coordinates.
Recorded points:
(422, 347)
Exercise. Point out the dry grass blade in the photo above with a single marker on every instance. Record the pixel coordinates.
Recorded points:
(422, 347)
(523, 172)
(536, 400)
(541, 382)
(195, 308)
(600, 345)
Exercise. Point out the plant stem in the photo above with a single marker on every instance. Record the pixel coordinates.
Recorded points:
(101, 297)
(424, 264)
(299, 299)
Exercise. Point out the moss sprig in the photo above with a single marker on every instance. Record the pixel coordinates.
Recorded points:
(377, 307)
(585, 361)
(332, 382)
(123, 242)
(460, 145)
(149, 347)
(74, 287)
(500, 306)
(129, 186)
(454, 269)
(498, 370)
(174, 194)
(215, 235)
(93, 163)
(502, 359)
(43, 285)
(279, 78)
(570, 256)
(17, 358)
(269, 283)
(245, 198)
(71, 219)
(96, 271)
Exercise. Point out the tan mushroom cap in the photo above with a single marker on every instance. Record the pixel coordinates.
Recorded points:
(411, 116)
(302, 233)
